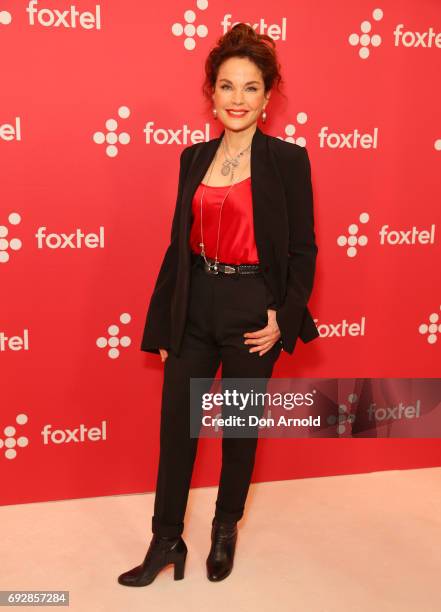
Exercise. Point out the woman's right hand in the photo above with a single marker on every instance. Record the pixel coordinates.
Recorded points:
(163, 353)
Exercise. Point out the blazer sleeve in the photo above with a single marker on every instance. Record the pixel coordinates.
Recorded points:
(293, 317)
(158, 320)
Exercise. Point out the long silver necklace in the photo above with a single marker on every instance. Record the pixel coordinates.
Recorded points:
(229, 164)
(212, 266)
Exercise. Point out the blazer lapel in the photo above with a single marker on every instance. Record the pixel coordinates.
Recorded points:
(269, 207)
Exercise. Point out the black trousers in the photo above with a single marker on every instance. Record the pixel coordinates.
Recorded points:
(221, 309)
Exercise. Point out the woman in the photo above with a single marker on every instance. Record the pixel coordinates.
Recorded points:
(232, 288)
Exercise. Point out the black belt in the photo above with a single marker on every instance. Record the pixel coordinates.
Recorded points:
(225, 268)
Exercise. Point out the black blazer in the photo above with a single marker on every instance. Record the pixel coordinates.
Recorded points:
(284, 234)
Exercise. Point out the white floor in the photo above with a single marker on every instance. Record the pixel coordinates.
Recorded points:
(358, 543)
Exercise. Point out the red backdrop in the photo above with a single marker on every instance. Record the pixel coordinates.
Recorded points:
(97, 103)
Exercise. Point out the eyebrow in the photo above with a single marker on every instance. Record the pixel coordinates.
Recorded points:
(249, 82)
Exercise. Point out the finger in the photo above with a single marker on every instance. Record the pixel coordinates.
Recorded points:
(257, 334)
(262, 339)
(259, 341)
(264, 351)
(259, 347)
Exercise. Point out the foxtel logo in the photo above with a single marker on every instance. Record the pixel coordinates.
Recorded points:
(74, 241)
(181, 136)
(416, 39)
(11, 131)
(80, 434)
(274, 30)
(342, 329)
(70, 18)
(353, 140)
(412, 236)
(394, 413)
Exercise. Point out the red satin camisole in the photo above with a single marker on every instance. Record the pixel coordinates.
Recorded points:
(236, 235)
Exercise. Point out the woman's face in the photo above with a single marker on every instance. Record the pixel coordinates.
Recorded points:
(239, 86)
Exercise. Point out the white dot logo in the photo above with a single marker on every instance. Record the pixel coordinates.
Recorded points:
(366, 37)
(432, 329)
(11, 442)
(5, 18)
(113, 342)
(6, 242)
(344, 420)
(111, 138)
(352, 240)
(189, 30)
(290, 131)
(437, 144)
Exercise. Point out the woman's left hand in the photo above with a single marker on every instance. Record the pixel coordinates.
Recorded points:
(266, 337)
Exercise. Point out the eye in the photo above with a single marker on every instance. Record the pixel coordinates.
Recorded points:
(250, 87)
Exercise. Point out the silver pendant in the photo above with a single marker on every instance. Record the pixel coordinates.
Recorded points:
(227, 164)
(225, 170)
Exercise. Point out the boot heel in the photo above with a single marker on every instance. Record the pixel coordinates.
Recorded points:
(180, 567)
(161, 552)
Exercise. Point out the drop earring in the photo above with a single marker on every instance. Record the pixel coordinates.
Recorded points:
(263, 116)
(214, 113)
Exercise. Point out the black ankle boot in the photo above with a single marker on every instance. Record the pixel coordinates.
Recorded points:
(221, 556)
(161, 552)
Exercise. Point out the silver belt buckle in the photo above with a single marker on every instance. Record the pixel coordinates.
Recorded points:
(211, 268)
(229, 269)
